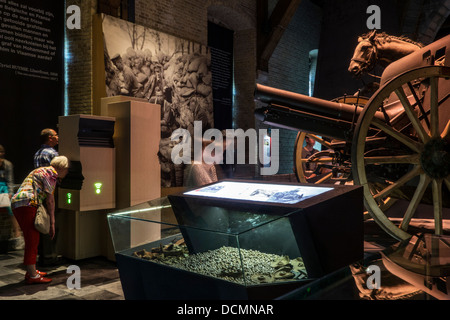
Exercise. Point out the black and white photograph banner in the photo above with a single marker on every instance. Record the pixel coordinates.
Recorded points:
(175, 73)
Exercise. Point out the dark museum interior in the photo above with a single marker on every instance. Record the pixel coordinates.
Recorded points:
(225, 150)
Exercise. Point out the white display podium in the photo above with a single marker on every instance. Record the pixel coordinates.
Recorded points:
(136, 138)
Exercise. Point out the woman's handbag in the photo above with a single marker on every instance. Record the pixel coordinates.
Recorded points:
(42, 220)
(4, 200)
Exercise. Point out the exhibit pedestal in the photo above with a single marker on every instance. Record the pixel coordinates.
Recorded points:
(88, 188)
(84, 234)
(136, 139)
(87, 141)
(142, 280)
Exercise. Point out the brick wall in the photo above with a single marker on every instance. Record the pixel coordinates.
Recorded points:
(436, 12)
(79, 60)
(244, 78)
(184, 19)
(289, 67)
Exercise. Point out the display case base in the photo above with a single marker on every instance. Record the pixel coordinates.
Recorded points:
(143, 280)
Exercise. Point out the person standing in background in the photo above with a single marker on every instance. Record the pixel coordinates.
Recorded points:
(307, 151)
(42, 158)
(7, 186)
(199, 174)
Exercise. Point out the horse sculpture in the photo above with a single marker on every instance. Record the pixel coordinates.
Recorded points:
(379, 48)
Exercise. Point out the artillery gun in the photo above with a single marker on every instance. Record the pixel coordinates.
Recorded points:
(396, 144)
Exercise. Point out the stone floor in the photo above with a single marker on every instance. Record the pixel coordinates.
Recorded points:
(99, 276)
(99, 280)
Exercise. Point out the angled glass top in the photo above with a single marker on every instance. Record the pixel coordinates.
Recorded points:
(195, 215)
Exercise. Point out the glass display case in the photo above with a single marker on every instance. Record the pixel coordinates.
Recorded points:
(226, 252)
(192, 246)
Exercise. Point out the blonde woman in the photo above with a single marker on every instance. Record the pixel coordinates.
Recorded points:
(37, 187)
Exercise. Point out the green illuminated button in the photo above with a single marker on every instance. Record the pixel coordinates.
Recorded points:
(98, 187)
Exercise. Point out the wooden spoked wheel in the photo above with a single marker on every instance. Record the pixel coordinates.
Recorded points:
(413, 160)
(299, 161)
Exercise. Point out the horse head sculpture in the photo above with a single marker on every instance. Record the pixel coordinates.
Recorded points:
(379, 48)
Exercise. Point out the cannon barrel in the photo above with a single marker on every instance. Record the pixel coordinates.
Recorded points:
(301, 102)
(296, 111)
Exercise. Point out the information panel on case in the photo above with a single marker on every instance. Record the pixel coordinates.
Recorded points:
(276, 193)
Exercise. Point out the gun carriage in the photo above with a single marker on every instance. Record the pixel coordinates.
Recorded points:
(396, 144)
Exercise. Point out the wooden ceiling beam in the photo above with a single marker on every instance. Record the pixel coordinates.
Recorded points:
(271, 29)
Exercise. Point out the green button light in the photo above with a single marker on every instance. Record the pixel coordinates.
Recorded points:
(98, 187)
